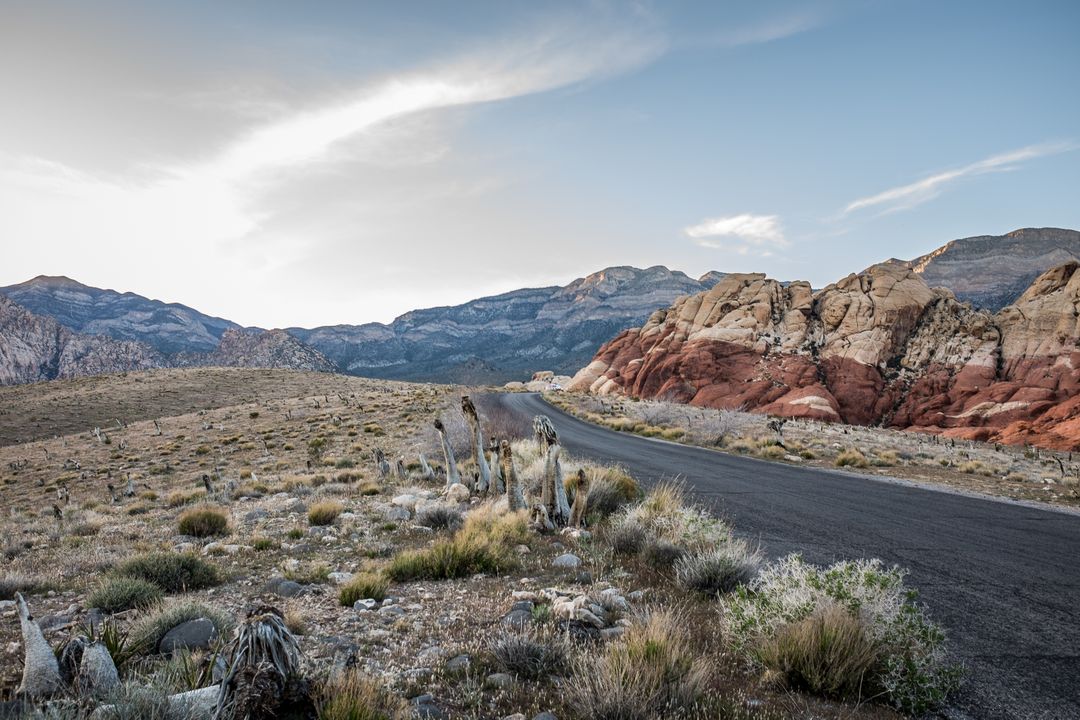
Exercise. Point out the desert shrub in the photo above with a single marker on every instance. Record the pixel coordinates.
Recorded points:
(772, 452)
(483, 544)
(439, 517)
(204, 522)
(261, 544)
(665, 514)
(137, 701)
(344, 463)
(172, 572)
(16, 583)
(294, 533)
(827, 653)
(718, 570)
(653, 672)
(124, 593)
(610, 488)
(363, 586)
(851, 458)
(86, 528)
(313, 574)
(530, 655)
(885, 458)
(661, 554)
(149, 630)
(351, 695)
(626, 537)
(913, 672)
(178, 498)
(370, 488)
(672, 433)
(974, 467)
(295, 620)
(324, 513)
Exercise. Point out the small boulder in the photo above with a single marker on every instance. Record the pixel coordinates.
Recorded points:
(498, 680)
(197, 634)
(458, 493)
(566, 560)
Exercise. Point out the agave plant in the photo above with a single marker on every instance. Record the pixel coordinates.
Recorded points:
(263, 672)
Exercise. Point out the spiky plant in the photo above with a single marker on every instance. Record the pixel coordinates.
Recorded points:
(264, 664)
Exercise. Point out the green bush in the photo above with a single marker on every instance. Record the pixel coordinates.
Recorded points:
(204, 522)
(124, 593)
(172, 572)
(363, 586)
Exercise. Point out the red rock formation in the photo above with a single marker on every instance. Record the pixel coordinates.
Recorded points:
(878, 347)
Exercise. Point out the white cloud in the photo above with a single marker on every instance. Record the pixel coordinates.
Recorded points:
(916, 193)
(747, 230)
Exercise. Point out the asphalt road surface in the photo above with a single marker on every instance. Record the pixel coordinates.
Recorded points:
(1003, 579)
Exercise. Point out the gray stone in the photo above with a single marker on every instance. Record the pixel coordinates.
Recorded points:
(255, 516)
(197, 634)
(498, 680)
(397, 514)
(545, 716)
(583, 577)
(365, 605)
(284, 588)
(526, 605)
(612, 633)
(459, 663)
(517, 619)
(392, 610)
(566, 560)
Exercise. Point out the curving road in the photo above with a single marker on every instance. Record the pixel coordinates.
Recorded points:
(1002, 578)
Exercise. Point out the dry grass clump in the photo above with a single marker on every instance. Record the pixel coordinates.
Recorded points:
(718, 570)
(172, 572)
(351, 695)
(610, 488)
(483, 545)
(363, 586)
(851, 458)
(204, 522)
(16, 583)
(124, 593)
(975, 467)
(827, 653)
(772, 452)
(531, 655)
(666, 514)
(324, 513)
(439, 517)
(653, 672)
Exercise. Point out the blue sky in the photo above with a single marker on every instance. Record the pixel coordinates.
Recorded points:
(316, 163)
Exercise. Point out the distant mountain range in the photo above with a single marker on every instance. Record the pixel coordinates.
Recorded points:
(57, 327)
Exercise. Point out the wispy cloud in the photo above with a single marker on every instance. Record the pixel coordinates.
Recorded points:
(774, 28)
(916, 193)
(739, 233)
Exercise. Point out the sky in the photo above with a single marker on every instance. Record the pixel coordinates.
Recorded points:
(300, 164)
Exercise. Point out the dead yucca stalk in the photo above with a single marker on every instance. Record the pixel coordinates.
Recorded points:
(264, 664)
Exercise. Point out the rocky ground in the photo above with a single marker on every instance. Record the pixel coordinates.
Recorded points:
(1019, 473)
(277, 445)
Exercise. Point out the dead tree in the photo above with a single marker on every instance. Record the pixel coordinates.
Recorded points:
(207, 484)
(552, 493)
(497, 478)
(59, 515)
(157, 428)
(62, 494)
(581, 499)
(381, 464)
(112, 493)
(483, 480)
(426, 473)
(452, 475)
(515, 491)
(41, 671)
(777, 426)
(129, 491)
(399, 470)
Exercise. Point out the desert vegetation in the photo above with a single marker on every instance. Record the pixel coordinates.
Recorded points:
(388, 575)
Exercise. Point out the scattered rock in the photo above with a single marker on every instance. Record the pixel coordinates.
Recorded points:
(339, 578)
(566, 560)
(397, 514)
(284, 588)
(498, 680)
(197, 634)
(458, 493)
(517, 619)
(459, 663)
(365, 605)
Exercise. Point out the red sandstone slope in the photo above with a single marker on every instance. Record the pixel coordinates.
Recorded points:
(879, 347)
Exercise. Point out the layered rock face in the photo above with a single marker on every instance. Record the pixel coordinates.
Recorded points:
(167, 327)
(35, 348)
(260, 349)
(991, 271)
(505, 337)
(878, 347)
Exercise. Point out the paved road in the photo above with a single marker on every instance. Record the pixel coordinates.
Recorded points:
(1003, 579)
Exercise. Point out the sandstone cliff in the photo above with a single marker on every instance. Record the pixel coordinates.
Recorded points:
(878, 347)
